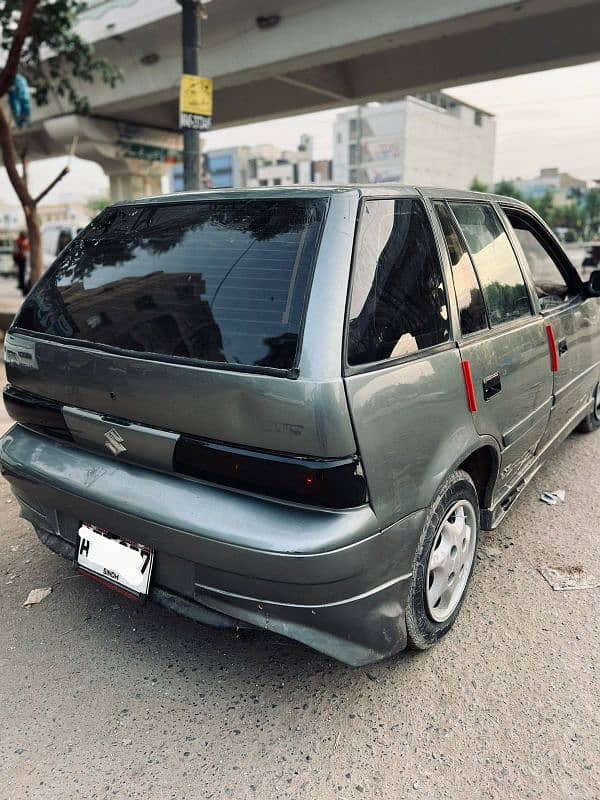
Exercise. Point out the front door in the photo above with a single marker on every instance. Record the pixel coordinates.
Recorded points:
(573, 321)
(503, 338)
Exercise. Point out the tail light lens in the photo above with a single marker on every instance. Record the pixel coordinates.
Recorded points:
(36, 412)
(327, 483)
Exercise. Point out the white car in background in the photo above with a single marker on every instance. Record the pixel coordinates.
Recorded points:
(55, 237)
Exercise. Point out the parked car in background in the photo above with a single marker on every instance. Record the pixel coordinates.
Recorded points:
(296, 408)
(55, 237)
(592, 255)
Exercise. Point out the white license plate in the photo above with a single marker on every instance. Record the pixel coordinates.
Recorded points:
(117, 561)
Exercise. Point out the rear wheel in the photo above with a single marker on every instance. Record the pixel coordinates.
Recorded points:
(443, 562)
(592, 421)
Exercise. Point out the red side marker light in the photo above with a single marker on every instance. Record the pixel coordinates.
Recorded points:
(469, 386)
(554, 365)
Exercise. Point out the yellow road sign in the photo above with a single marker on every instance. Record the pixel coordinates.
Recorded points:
(196, 95)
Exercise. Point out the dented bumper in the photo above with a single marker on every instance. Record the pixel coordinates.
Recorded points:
(329, 579)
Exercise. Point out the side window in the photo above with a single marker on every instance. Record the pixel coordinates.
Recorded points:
(499, 273)
(468, 292)
(398, 303)
(550, 285)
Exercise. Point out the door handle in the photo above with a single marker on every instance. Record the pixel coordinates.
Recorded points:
(562, 347)
(491, 385)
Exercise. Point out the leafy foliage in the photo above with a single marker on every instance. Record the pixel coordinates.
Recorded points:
(508, 189)
(55, 59)
(478, 186)
(98, 204)
(581, 216)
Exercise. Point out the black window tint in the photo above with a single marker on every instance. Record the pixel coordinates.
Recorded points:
(550, 286)
(220, 281)
(468, 293)
(495, 261)
(398, 303)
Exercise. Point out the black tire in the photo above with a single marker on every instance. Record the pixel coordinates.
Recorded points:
(591, 422)
(423, 631)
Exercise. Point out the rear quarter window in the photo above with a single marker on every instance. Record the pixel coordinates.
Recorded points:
(210, 281)
(398, 303)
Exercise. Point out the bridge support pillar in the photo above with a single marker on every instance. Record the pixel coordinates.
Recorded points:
(134, 178)
(134, 157)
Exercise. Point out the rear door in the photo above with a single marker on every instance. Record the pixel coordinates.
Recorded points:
(403, 374)
(573, 320)
(503, 338)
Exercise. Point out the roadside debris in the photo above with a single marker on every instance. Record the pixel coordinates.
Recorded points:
(36, 596)
(552, 498)
(562, 579)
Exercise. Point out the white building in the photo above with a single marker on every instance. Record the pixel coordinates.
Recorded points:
(258, 165)
(75, 214)
(11, 218)
(431, 139)
(564, 187)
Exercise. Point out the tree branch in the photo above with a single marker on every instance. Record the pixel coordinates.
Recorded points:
(51, 185)
(9, 72)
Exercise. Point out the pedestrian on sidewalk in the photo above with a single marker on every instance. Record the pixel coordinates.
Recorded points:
(20, 255)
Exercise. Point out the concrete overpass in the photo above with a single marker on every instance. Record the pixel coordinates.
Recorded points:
(319, 54)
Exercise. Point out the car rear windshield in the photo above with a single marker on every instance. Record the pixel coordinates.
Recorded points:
(220, 281)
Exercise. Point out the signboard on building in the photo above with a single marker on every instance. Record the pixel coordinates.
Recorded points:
(147, 152)
(195, 102)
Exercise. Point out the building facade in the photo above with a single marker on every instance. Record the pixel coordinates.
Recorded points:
(431, 139)
(564, 187)
(11, 218)
(76, 214)
(259, 165)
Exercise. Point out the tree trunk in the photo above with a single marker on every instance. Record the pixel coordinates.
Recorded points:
(9, 155)
(36, 257)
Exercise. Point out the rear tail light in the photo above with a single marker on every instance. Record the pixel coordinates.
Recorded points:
(36, 412)
(328, 483)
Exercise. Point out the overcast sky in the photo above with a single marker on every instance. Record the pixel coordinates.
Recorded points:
(545, 119)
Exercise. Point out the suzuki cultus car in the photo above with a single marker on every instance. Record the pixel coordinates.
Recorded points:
(295, 409)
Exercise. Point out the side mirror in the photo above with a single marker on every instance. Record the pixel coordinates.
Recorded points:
(593, 284)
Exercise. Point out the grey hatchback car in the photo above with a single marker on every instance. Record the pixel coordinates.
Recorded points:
(295, 409)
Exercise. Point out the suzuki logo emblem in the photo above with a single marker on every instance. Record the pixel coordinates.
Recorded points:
(114, 442)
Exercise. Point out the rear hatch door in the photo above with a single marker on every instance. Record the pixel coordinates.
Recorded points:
(186, 317)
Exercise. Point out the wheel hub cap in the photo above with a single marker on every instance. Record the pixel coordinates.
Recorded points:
(450, 560)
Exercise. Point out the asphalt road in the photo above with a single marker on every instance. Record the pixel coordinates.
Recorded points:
(101, 698)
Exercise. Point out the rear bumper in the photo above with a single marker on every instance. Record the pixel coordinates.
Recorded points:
(328, 579)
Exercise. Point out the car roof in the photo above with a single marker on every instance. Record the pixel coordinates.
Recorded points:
(316, 191)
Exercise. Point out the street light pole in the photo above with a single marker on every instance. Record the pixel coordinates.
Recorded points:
(190, 44)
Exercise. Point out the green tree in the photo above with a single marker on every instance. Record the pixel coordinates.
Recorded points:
(478, 186)
(568, 216)
(592, 212)
(545, 207)
(28, 29)
(98, 204)
(508, 189)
